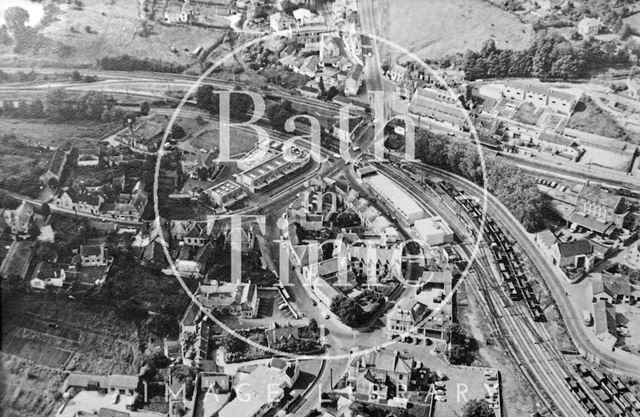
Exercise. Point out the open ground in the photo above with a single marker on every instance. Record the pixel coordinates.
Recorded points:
(109, 28)
(454, 26)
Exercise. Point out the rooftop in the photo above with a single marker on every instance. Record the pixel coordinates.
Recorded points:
(595, 193)
(604, 318)
(390, 190)
(574, 248)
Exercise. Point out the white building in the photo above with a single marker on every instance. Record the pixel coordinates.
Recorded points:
(226, 193)
(260, 391)
(433, 231)
(403, 205)
(589, 27)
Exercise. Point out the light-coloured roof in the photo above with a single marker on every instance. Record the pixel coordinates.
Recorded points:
(391, 191)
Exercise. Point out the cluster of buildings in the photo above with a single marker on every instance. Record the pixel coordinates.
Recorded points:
(609, 290)
(208, 13)
(269, 162)
(89, 267)
(372, 253)
(596, 211)
(251, 391)
(127, 207)
(143, 134)
(330, 58)
(427, 311)
(431, 230)
(266, 164)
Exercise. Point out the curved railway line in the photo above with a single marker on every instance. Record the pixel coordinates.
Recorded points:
(526, 342)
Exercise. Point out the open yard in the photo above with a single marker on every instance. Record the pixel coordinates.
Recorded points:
(590, 118)
(438, 28)
(99, 28)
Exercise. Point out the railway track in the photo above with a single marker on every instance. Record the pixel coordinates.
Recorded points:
(527, 342)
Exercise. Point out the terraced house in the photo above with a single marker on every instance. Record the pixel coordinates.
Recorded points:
(380, 375)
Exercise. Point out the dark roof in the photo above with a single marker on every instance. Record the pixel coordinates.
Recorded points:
(574, 248)
(612, 285)
(589, 222)
(91, 250)
(92, 199)
(282, 333)
(57, 162)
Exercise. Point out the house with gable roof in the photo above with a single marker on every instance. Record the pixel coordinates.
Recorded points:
(20, 219)
(614, 289)
(380, 375)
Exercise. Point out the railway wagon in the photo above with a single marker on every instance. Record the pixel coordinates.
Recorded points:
(514, 294)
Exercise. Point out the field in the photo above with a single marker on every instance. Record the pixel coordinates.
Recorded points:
(43, 336)
(453, 26)
(109, 28)
(590, 118)
(83, 135)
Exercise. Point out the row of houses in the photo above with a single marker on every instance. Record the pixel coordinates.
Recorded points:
(125, 207)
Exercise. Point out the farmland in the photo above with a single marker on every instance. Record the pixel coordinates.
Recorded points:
(83, 134)
(49, 335)
(454, 26)
(80, 35)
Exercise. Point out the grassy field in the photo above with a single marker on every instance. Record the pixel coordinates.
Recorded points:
(114, 25)
(434, 28)
(590, 118)
(84, 135)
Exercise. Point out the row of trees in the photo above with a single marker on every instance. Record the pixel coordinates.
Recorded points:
(550, 56)
(240, 104)
(508, 183)
(59, 106)
(129, 63)
(462, 347)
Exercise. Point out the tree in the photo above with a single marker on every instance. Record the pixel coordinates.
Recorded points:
(156, 360)
(348, 310)
(131, 309)
(36, 109)
(279, 113)
(332, 92)
(477, 408)
(45, 210)
(625, 32)
(164, 325)
(207, 99)
(177, 132)
(240, 104)
(145, 108)
(16, 18)
(187, 376)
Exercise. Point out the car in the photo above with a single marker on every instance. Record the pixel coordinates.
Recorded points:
(314, 302)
